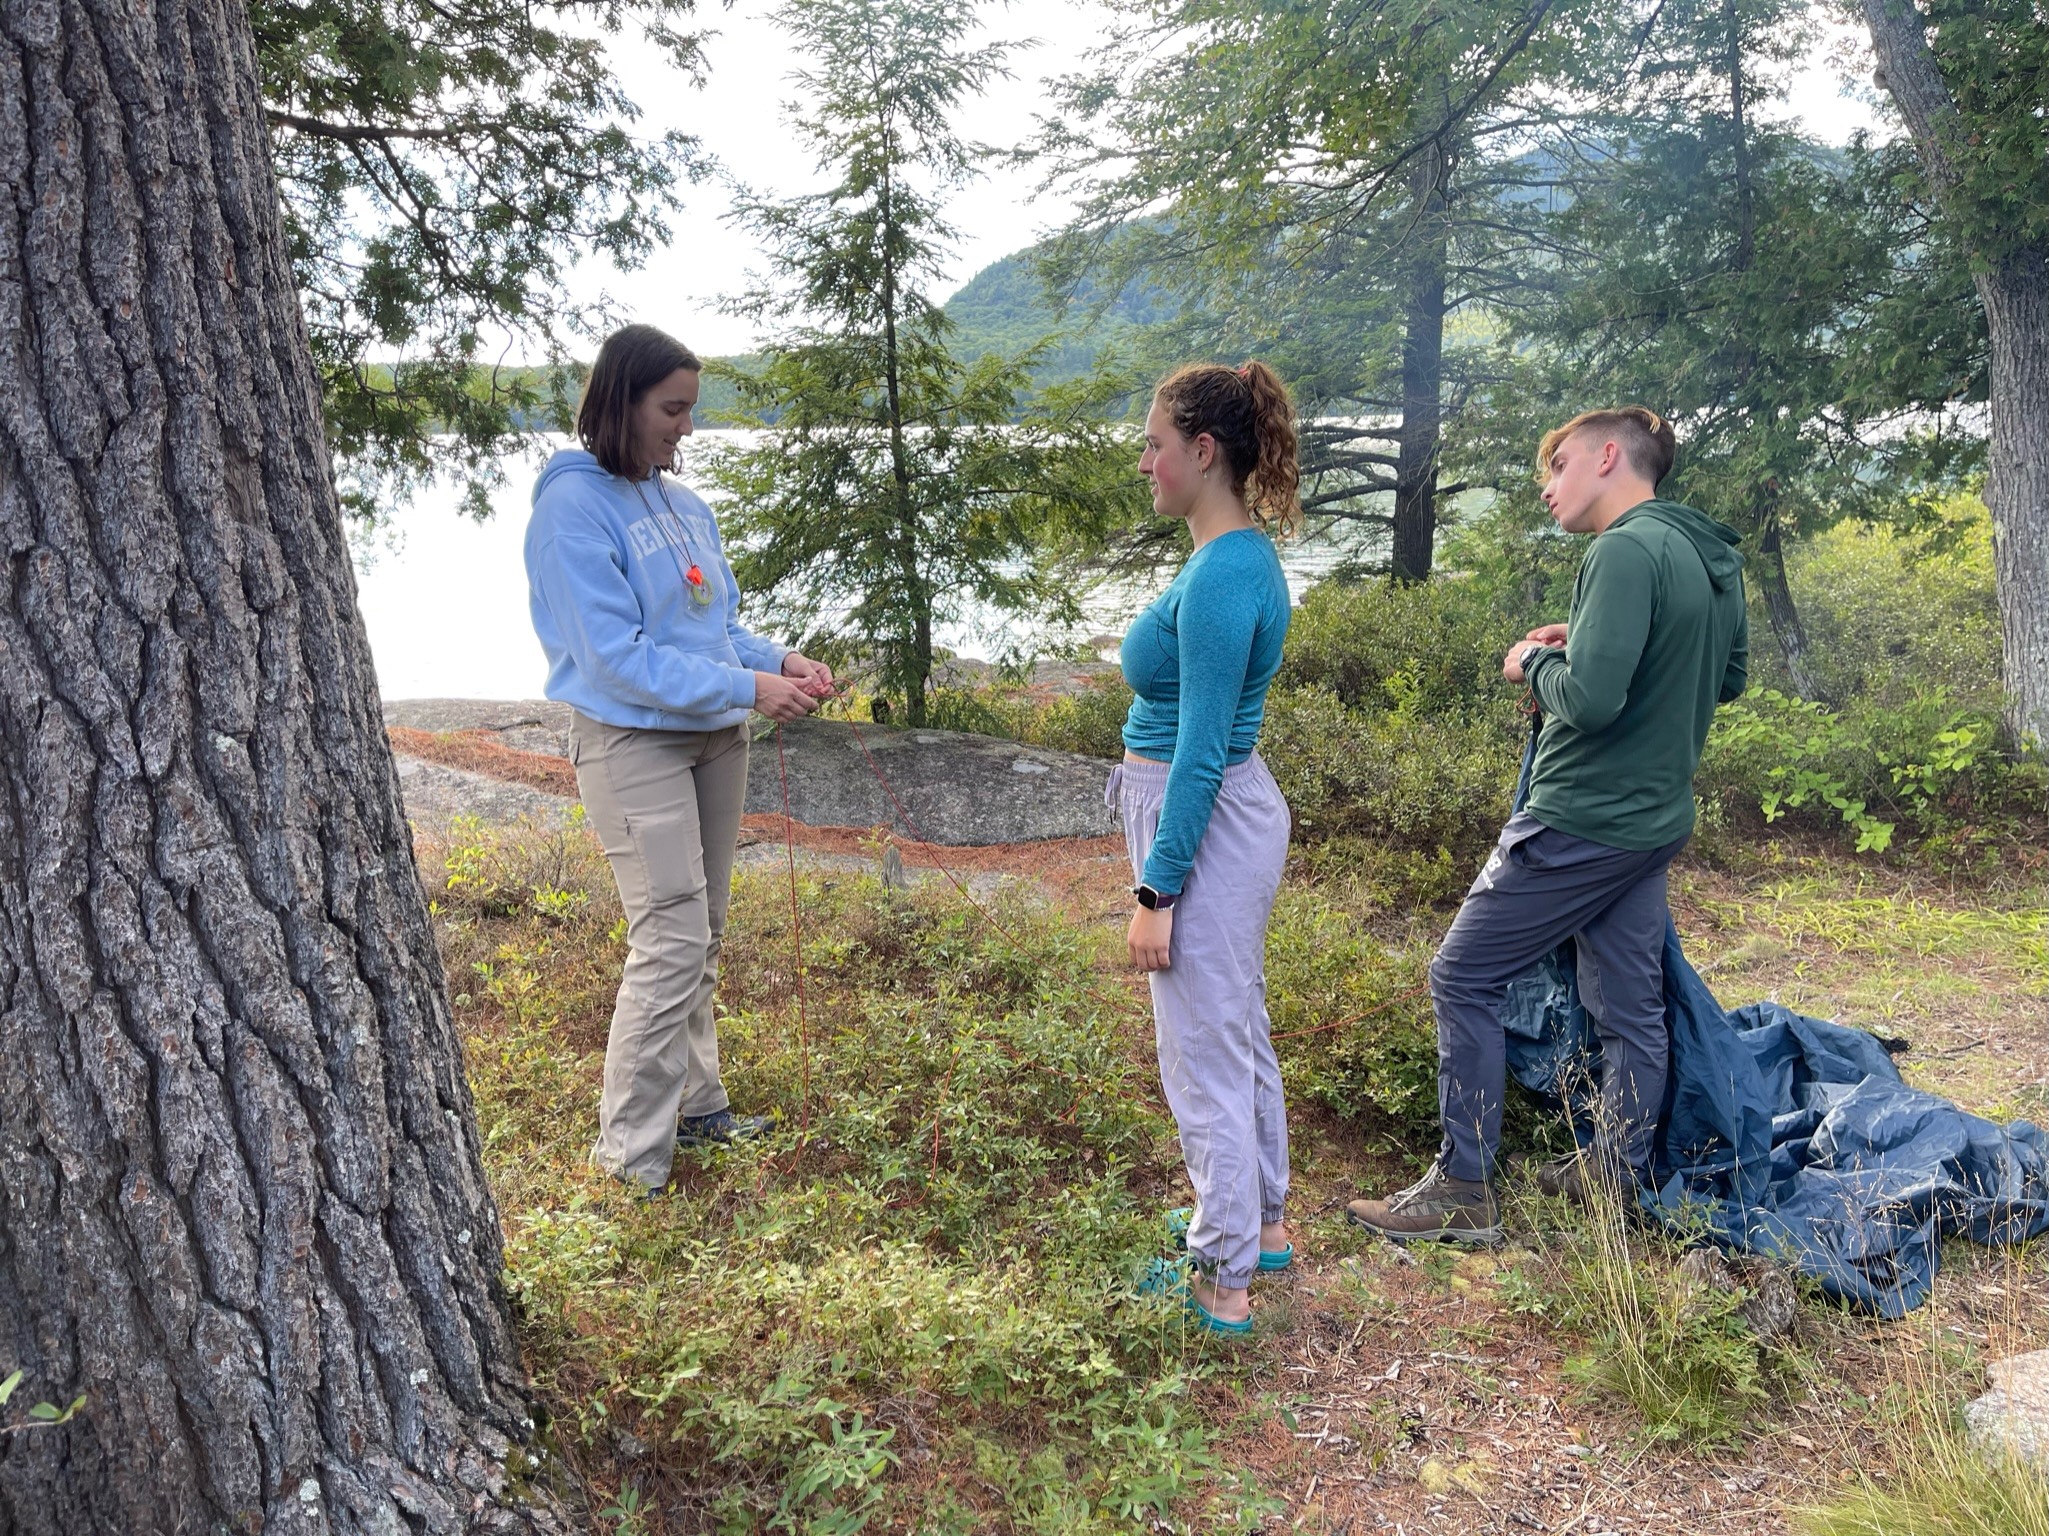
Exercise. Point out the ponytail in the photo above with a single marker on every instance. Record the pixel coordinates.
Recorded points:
(1247, 411)
(1271, 488)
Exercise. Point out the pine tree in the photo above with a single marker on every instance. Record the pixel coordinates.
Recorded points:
(897, 481)
(1339, 190)
(441, 167)
(1733, 274)
(1969, 78)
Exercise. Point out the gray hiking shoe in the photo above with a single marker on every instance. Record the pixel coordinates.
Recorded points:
(1577, 1177)
(1436, 1209)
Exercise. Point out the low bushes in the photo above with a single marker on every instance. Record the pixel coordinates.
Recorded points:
(1351, 1022)
(1413, 781)
(912, 1306)
(1927, 768)
(1889, 615)
(1089, 720)
(1424, 651)
(1389, 719)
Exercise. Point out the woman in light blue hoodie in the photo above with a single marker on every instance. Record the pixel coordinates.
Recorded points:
(638, 613)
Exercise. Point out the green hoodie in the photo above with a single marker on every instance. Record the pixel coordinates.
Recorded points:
(1658, 636)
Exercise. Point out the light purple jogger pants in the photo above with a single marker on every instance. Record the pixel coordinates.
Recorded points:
(1209, 1008)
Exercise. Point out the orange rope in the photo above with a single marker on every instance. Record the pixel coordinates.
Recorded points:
(796, 943)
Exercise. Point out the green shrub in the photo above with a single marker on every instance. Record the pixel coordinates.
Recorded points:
(1373, 1053)
(912, 1306)
(1089, 720)
(1407, 776)
(1925, 765)
(1891, 615)
(1430, 650)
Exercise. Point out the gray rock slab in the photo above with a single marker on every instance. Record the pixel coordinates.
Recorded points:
(2013, 1418)
(954, 788)
(434, 795)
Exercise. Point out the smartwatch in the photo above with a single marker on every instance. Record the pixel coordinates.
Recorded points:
(1152, 900)
(1530, 654)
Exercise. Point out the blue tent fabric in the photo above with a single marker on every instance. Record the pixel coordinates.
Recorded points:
(1792, 1136)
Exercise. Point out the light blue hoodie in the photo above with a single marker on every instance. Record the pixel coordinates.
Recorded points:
(606, 565)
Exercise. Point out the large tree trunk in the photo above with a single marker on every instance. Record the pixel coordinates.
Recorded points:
(2016, 299)
(1422, 427)
(2013, 285)
(243, 1209)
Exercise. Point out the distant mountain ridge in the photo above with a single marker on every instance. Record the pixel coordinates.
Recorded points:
(1002, 309)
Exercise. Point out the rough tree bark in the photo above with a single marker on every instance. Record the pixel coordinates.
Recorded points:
(2013, 285)
(1422, 426)
(1781, 612)
(241, 1203)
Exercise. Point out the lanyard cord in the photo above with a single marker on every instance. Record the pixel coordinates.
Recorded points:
(691, 588)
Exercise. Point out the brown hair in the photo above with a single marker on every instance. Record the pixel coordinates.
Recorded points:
(632, 361)
(1247, 410)
(1645, 436)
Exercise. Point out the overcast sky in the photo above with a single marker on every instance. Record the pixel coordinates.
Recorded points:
(738, 118)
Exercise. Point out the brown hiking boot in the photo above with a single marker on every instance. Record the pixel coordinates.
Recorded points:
(1589, 1182)
(1437, 1208)
(1578, 1177)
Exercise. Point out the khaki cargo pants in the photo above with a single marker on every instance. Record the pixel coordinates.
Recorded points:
(666, 805)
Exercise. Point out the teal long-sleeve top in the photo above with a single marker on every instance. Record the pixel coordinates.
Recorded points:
(1199, 661)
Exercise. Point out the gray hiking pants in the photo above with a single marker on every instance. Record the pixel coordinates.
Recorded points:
(1541, 886)
(666, 805)
(1209, 1008)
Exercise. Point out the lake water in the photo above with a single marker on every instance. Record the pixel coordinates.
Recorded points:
(445, 599)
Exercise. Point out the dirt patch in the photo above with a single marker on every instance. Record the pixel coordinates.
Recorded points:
(1406, 1393)
(481, 751)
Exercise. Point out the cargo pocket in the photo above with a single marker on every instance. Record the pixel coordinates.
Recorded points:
(670, 844)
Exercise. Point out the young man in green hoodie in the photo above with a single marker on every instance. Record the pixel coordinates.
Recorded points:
(1656, 638)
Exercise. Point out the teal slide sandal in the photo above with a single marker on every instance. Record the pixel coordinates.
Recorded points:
(1169, 1278)
(1271, 1260)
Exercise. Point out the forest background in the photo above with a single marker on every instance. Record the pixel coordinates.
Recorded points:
(1447, 227)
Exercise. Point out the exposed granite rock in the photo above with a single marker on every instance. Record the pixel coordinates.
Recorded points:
(2013, 1418)
(525, 725)
(958, 789)
(435, 795)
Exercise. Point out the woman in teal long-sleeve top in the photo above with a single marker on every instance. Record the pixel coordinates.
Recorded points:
(1206, 826)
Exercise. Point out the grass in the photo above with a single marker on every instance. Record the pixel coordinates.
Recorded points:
(1944, 1487)
(1920, 1474)
(911, 1309)
(1676, 1350)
